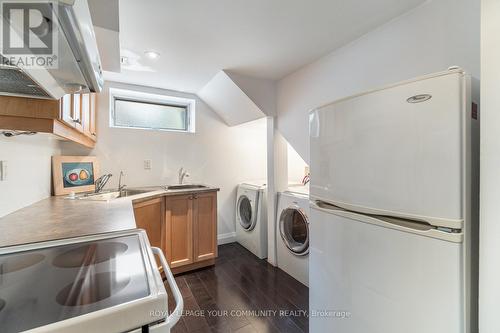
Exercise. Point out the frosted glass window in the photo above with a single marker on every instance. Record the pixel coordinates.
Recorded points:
(139, 114)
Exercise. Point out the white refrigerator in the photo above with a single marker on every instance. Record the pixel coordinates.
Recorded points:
(394, 218)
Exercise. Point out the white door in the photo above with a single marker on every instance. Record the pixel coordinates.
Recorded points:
(379, 153)
(247, 212)
(368, 275)
(294, 230)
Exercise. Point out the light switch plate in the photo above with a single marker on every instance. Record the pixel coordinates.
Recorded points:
(147, 164)
(3, 170)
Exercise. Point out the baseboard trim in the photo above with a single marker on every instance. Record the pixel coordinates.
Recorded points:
(230, 237)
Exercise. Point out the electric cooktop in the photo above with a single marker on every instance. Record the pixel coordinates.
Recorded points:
(46, 285)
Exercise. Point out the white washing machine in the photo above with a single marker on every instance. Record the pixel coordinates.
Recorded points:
(292, 234)
(251, 218)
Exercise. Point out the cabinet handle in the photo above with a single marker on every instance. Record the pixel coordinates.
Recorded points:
(78, 121)
(195, 196)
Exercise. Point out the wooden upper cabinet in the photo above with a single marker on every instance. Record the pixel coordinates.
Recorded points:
(93, 116)
(88, 112)
(179, 230)
(72, 117)
(77, 112)
(28, 107)
(67, 110)
(85, 112)
(205, 226)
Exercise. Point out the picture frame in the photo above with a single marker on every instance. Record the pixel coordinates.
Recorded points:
(74, 174)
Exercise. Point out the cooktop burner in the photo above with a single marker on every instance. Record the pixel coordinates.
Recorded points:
(69, 280)
(19, 262)
(89, 254)
(92, 288)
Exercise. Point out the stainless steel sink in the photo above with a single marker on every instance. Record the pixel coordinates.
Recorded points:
(185, 187)
(106, 196)
(115, 194)
(130, 192)
(99, 196)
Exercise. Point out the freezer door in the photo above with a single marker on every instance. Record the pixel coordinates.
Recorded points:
(369, 278)
(390, 153)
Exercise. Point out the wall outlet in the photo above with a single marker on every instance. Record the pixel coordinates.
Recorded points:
(3, 170)
(147, 164)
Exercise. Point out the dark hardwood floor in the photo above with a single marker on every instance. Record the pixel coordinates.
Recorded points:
(243, 294)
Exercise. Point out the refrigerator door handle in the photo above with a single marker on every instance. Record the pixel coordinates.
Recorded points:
(415, 227)
(435, 221)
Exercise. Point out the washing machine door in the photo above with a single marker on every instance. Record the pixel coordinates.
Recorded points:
(294, 230)
(246, 212)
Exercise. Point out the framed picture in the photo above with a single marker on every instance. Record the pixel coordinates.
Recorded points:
(74, 174)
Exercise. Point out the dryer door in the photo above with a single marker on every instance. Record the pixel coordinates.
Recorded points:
(246, 212)
(294, 230)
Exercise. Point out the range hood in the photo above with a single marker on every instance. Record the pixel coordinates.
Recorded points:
(78, 67)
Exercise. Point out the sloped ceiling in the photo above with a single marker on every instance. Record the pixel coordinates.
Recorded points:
(229, 101)
(261, 91)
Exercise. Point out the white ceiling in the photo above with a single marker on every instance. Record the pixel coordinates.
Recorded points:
(260, 38)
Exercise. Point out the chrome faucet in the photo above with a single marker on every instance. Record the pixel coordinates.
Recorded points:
(182, 174)
(120, 186)
(101, 182)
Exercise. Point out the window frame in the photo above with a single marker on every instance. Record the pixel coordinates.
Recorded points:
(154, 99)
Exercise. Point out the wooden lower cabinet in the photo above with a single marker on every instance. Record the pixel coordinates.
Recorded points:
(179, 230)
(205, 226)
(150, 216)
(191, 231)
(183, 226)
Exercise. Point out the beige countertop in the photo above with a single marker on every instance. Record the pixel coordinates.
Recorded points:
(59, 217)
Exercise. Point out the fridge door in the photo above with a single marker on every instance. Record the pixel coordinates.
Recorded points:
(371, 277)
(394, 151)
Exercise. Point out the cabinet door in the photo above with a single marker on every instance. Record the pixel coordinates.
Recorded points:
(66, 110)
(205, 226)
(149, 215)
(179, 230)
(85, 107)
(93, 115)
(76, 111)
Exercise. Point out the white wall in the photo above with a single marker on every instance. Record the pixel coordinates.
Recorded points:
(430, 38)
(216, 154)
(28, 170)
(296, 166)
(489, 276)
(277, 181)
